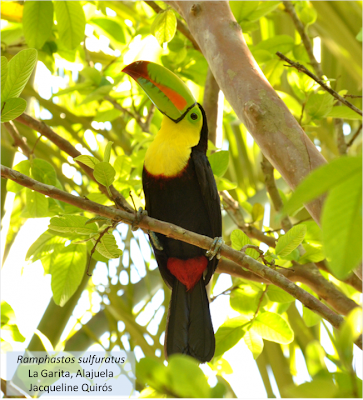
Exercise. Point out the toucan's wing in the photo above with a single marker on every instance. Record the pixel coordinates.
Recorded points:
(211, 199)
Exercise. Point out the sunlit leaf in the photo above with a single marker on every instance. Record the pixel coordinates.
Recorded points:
(290, 241)
(310, 318)
(104, 173)
(4, 72)
(254, 342)
(273, 327)
(219, 162)
(71, 22)
(342, 226)
(164, 26)
(36, 204)
(107, 246)
(319, 104)
(322, 179)
(67, 272)
(274, 293)
(12, 109)
(229, 334)
(73, 224)
(20, 67)
(37, 22)
(90, 161)
(344, 112)
(239, 240)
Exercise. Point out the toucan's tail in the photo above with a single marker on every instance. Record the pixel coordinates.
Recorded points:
(189, 329)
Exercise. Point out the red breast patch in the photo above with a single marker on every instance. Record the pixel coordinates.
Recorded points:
(188, 272)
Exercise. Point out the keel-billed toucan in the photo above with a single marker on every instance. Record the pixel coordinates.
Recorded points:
(179, 187)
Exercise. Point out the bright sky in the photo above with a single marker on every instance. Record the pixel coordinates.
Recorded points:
(28, 291)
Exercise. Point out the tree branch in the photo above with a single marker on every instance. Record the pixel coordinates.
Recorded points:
(355, 135)
(67, 147)
(18, 139)
(253, 99)
(210, 105)
(179, 233)
(303, 69)
(268, 171)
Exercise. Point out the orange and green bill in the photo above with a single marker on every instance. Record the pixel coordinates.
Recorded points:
(168, 92)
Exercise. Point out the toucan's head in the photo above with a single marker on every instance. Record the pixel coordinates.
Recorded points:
(168, 92)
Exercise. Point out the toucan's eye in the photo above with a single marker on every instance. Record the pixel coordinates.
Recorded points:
(193, 116)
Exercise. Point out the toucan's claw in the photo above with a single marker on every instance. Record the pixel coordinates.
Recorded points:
(155, 241)
(215, 249)
(140, 214)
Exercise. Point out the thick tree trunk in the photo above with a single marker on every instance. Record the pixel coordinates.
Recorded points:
(255, 102)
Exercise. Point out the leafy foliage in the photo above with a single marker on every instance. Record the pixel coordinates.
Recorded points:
(79, 91)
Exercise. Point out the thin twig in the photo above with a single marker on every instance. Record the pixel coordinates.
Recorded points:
(304, 37)
(183, 235)
(268, 171)
(18, 139)
(355, 135)
(303, 69)
(260, 302)
(353, 96)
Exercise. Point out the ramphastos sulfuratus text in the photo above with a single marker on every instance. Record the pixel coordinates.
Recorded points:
(179, 187)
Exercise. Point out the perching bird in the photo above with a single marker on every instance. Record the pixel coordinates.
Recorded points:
(179, 187)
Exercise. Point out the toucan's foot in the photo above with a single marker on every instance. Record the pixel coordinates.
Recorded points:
(155, 241)
(214, 250)
(140, 214)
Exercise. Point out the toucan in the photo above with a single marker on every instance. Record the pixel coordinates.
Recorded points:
(179, 188)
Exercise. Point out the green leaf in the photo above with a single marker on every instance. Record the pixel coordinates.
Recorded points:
(111, 27)
(11, 332)
(323, 179)
(343, 112)
(219, 162)
(36, 204)
(310, 317)
(7, 314)
(186, 378)
(4, 73)
(71, 22)
(72, 224)
(282, 43)
(24, 168)
(107, 246)
(104, 173)
(312, 254)
(315, 355)
(67, 272)
(240, 239)
(12, 109)
(246, 299)
(102, 220)
(225, 184)
(20, 68)
(87, 160)
(342, 226)
(45, 249)
(106, 157)
(306, 13)
(123, 166)
(37, 22)
(92, 74)
(319, 105)
(264, 8)
(43, 172)
(274, 293)
(154, 373)
(164, 26)
(257, 212)
(273, 327)
(241, 10)
(229, 334)
(254, 342)
(290, 241)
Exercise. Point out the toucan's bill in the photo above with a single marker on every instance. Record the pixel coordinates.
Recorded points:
(167, 91)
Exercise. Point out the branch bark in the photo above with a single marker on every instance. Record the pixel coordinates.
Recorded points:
(179, 233)
(253, 99)
(18, 139)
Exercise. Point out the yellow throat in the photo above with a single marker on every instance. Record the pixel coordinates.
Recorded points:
(169, 153)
